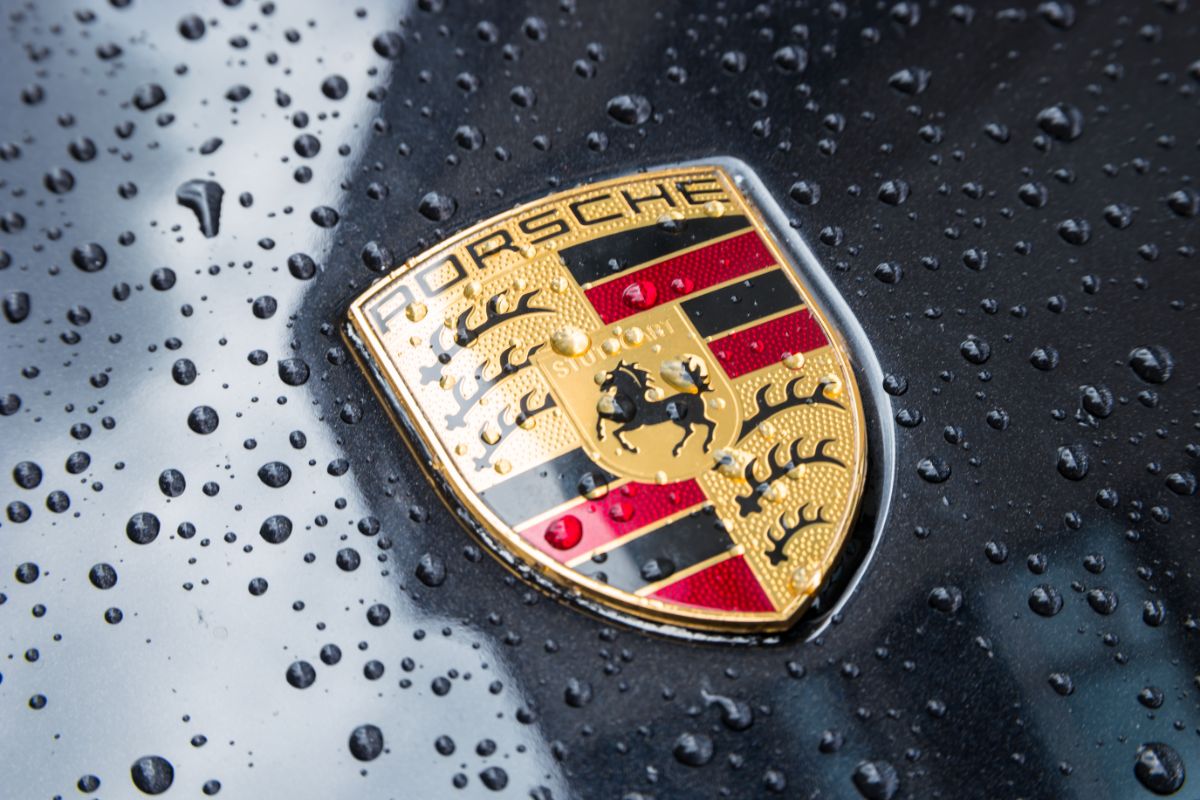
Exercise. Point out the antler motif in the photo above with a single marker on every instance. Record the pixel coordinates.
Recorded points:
(432, 373)
(753, 502)
(465, 334)
(524, 412)
(507, 368)
(767, 409)
(776, 555)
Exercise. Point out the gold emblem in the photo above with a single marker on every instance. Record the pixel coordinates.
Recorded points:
(643, 405)
(629, 387)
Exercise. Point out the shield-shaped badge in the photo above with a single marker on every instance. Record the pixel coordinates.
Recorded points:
(629, 387)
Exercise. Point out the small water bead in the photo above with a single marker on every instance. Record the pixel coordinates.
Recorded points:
(431, 570)
(102, 576)
(876, 780)
(693, 749)
(640, 295)
(437, 207)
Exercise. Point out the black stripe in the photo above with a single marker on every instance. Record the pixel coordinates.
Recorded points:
(609, 255)
(741, 302)
(534, 491)
(660, 553)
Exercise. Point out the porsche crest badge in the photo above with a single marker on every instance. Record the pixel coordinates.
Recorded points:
(628, 387)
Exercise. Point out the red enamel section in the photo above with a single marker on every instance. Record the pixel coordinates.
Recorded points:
(680, 276)
(631, 507)
(728, 585)
(766, 344)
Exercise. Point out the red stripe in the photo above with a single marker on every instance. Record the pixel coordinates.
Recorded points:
(728, 585)
(622, 511)
(768, 343)
(679, 276)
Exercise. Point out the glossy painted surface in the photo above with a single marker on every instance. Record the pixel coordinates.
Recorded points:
(921, 151)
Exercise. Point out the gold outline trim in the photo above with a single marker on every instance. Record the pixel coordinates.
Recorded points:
(595, 591)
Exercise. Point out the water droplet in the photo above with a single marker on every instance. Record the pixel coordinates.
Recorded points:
(693, 749)
(16, 306)
(275, 529)
(1062, 121)
(1045, 601)
(431, 570)
(933, 469)
(687, 373)
(894, 192)
(1184, 202)
(793, 360)
(142, 528)
(494, 778)
(570, 341)
(1159, 768)
(1153, 364)
(366, 742)
(564, 533)
(148, 96)
(437, 207)
(1075, 231)
(377, 257)
(275, 474)
(1102, 601)
(630, 109)
(577, 693)
(89, 257)
(152, 774)
(805, 193)
(876, 780)
(1061, 683)
(203, 197)
(911, 80)
(1073, 462)
(300, 674)
(191, 27)
(203, 420)
(946, 599)
(335, 87)
(640, 295)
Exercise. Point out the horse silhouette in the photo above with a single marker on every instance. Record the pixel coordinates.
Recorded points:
(625, 388)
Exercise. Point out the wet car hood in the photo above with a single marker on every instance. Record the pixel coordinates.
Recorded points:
(223, 570)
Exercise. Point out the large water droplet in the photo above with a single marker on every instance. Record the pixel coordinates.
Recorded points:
(203, 197)
(152, 774)
(629, 109)
(1159, 768)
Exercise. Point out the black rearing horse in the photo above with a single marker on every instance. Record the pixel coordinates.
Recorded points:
(629, 407)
